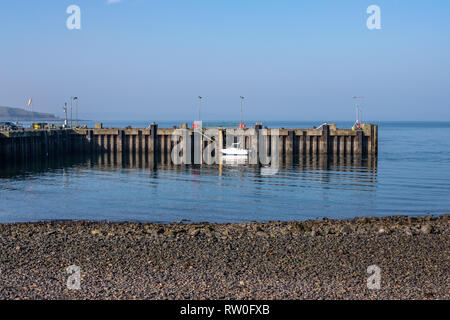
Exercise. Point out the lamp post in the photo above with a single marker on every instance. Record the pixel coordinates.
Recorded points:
(242, 102)
(71, 113)
(65, 115)
(199, 106)
(71, 108)
(76, 111)
(358, 109)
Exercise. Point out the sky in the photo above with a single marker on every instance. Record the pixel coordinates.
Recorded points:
(292, 60)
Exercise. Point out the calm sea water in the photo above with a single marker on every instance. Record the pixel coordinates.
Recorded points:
(410, 177)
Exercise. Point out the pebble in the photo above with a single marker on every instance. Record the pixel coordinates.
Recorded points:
(426, 228)
(276, 260)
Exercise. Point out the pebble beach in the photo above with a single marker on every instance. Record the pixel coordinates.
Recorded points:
(323, 259)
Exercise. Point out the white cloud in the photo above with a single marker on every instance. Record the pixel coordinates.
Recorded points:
(113, 1)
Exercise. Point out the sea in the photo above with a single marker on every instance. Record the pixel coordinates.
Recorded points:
(410, 176)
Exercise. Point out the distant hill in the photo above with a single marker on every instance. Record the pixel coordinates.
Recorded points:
(17, 114)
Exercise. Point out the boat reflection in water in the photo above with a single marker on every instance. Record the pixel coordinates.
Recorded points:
(234, 159)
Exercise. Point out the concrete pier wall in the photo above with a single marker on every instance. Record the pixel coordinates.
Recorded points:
(160, 142)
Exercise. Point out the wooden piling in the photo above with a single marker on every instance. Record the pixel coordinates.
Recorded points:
(120, 141)
(358, 143)
(324, 139)
(349, 145)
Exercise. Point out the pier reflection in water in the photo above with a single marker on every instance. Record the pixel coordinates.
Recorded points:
(132, 187)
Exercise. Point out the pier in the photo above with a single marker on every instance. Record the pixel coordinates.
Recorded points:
(155, 142)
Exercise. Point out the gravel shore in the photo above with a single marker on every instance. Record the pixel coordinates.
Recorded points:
(326, 259)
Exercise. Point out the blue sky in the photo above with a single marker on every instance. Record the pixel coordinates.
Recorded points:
(292, 60)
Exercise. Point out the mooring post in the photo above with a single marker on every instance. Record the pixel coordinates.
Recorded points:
(66, 141)
(290, 143)
(46, 143)
(335, 144)
(281, 145)
(2, 149)
(146, 141)
(90, 139)
(315, 144)
(324, 139)
(59, 141)
(358, 143)
(341, 145)
(302, 143)
(348, 145)
(139, 142)
(4, 146)
(153, 147)
(254, 144)
(108, 144)
(198, 145)
(113, 143)
(22, 152)
(13, 145)
(162, 147)
(35, 146)
(308, 143)
(290, 146)
(29, 145)
(375, 139)
(370, 146)
(100, 142)
(120, 141)
(219, 146)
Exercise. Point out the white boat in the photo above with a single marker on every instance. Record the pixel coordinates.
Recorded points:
(235, 150)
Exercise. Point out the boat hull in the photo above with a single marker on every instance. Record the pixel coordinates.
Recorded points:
(234, 152)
